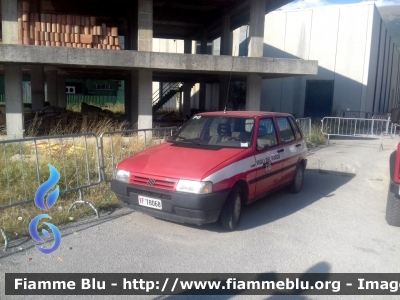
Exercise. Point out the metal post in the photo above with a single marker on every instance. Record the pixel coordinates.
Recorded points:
(82, 201)
(3, 233)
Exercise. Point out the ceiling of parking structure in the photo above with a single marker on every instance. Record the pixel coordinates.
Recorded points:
(174, 19)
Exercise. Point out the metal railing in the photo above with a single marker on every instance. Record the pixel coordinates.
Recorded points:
(24, 167)
(355, 127)
(305, 126)
(355, 114)
(83, 160)
(159, 94)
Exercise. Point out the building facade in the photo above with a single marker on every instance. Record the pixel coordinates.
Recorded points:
(358, 63)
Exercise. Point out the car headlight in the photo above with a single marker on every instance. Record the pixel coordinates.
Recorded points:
(195, 187)
(122, 175)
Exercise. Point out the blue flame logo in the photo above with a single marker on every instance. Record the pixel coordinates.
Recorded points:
(51, 200)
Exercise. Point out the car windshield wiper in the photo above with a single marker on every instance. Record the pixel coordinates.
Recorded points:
(186, 140)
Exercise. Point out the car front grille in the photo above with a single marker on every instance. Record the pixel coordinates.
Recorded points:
(156, 183)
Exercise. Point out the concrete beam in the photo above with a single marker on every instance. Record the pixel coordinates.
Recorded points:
(37, 87)
(14, 103)
(52, 95)
(184, 63)
(9, 21)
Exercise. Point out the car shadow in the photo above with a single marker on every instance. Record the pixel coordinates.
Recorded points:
(318, 184)
(26, 243)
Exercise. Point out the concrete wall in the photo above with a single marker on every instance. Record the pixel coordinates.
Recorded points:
(345, 41)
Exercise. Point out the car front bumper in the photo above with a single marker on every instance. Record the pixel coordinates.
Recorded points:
(176, 206)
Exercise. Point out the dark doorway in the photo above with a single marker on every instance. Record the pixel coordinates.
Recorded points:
(319, 98)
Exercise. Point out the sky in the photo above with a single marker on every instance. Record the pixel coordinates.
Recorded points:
(301, 4)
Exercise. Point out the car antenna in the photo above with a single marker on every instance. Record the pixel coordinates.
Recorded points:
(229, 82)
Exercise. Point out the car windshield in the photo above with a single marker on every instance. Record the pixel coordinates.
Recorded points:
(221, 131)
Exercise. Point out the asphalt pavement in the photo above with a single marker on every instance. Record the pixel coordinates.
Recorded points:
(336, 224)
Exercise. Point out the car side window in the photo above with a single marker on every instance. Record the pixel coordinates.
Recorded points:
(266, 136)
(287, 135)
(295, 128)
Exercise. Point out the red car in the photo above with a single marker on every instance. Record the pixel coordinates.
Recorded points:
(217, 162)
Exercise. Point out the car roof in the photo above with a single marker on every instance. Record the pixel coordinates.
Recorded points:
(248, 114)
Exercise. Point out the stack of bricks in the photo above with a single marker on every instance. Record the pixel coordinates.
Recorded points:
(64, 30)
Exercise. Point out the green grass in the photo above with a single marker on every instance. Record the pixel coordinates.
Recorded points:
(317, 138)
(19, 180)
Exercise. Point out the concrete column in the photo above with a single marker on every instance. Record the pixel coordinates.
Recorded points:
(226, 48)
(145, 25)
(256, 49)
(144, 94)
(37, 87)
(187, 86)
(203, 84)
(61, 95)
(51, 79)
(203, 45)
(202, 95)
(187, 46)
(256, 30)
(130, 111)
(14, 102)
(253, 92)
(186, 109)
(9, 20)
(223, 92)
(138, 98)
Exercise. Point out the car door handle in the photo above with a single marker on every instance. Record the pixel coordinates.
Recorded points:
(298, 145)
(280, 151)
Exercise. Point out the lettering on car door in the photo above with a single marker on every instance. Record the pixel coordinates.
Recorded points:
(268, 160)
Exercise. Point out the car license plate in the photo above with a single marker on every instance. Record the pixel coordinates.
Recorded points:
(150, 202)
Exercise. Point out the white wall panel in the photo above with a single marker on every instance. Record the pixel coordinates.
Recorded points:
(350, 57)
(297, 38)
(324, 34)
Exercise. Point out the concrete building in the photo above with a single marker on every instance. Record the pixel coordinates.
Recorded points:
(358, 64)
(138, 22)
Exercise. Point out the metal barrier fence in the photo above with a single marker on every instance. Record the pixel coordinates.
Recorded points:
(305, 126)
(93, 100)
(356, 114)
(116, 146)
(385, 116)
(24, 167)
(355, 127)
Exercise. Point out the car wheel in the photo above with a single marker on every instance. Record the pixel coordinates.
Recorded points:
(297, 182)
(231, 212)
(393, 207)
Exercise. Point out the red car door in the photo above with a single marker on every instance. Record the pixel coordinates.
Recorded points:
(290, 146)
(268, 162)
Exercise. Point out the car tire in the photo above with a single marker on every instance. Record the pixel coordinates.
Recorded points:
(297, 183)
(231, 211)
(393, 207)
